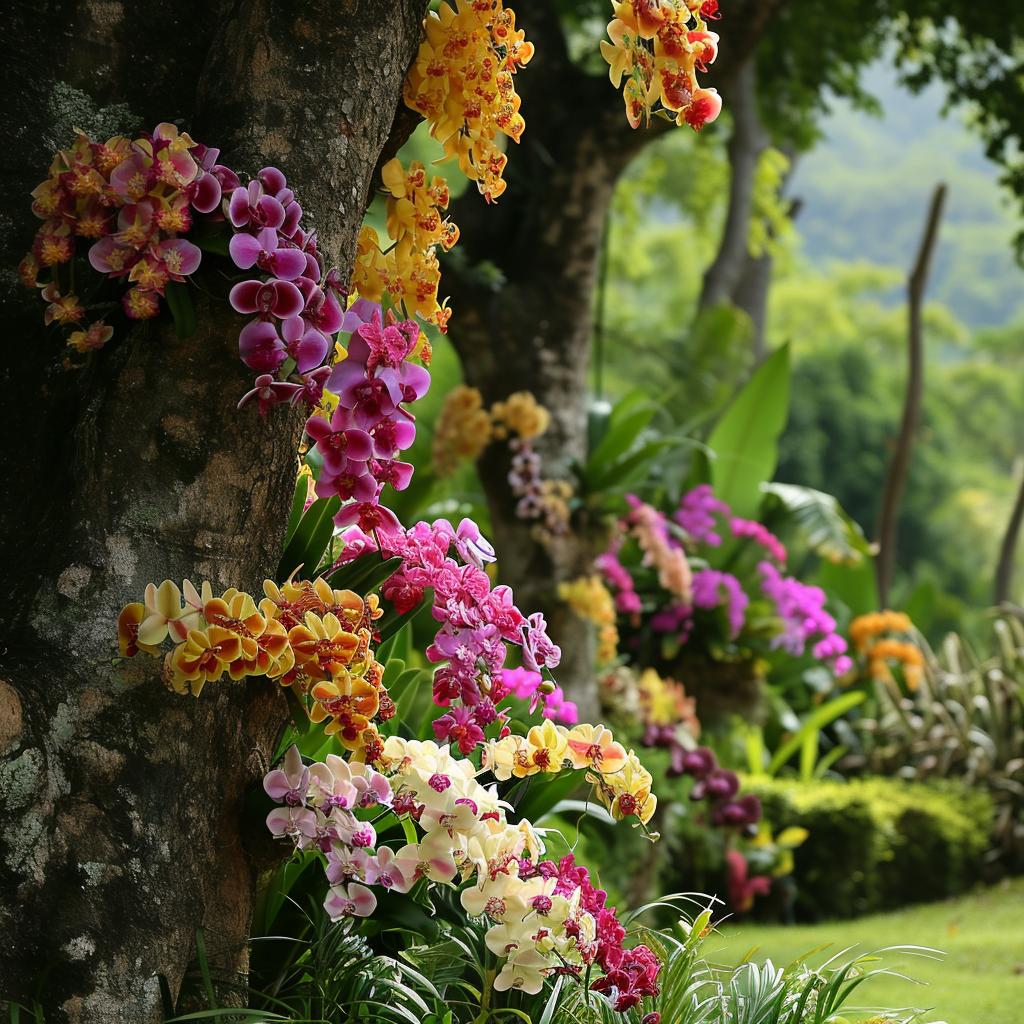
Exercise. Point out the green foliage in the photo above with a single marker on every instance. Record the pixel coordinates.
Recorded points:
(694, 990)
(966, 721)
(804, 741)
(978, 979)
(771, 229)
(878, 843)
(823, 523)
(745, 438)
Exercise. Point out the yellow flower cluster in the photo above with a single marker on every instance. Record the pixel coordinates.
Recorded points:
(664, 702)
(520, 414)
(462, 84)
(592, 600)
(462, 430)
(465, 427)
(408, 270)
(622, 783)
(658, 46)
(303, 634)
(879, 651)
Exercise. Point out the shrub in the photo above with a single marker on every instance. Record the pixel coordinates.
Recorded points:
(877, 843)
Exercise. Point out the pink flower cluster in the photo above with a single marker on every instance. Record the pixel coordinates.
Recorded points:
(802, 611)
(525, 685)
(759, 534)
(629, 974)
(476, 620)
(158, 186)
(319, 804)
(711, 588)
(696, 515)
(627, 600)
(360, 443)
(296, 311)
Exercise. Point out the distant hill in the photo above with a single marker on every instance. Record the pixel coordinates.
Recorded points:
(865, 188)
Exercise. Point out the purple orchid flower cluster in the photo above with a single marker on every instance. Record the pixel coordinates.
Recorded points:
(718, 786)
(296, 309)
(477, 622)
(802, 611)
(699, 526)
(371, 424)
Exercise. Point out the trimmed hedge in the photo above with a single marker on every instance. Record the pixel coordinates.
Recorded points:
(878, 843)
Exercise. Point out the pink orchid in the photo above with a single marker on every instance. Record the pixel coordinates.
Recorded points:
(262, 250)
(338, 440)
(252, 206)
(179, 257)
(369, 516)
(297, 823)
(352, 900)
(280, 299)
(383, 870)
(290, 784)
(268, 392)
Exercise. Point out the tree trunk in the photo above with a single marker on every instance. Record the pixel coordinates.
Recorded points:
(746, 144)
(1008, 550)
(750, 292)
(120, 803)
(531, 331)
(899, 464)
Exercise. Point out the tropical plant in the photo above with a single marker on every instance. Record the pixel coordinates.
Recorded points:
(964, 719)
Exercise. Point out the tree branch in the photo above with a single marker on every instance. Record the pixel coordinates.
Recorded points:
(899, 466)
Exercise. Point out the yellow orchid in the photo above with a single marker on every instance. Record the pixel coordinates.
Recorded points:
(594, 746)
(546, 746)
(203, 658)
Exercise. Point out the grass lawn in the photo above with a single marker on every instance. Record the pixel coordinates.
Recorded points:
(981, 980)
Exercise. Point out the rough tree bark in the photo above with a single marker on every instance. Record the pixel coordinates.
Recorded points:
(120, 803)
(899, 464)
(532, 330)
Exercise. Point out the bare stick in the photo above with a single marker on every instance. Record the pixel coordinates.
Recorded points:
(899, 466)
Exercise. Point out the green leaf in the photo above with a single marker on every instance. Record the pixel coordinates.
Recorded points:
(179, 302)
(311, 537)
(854, 585)
(745, 439)
(625, 424)
(364, 574)
(812, 726)
(620, 472)
(828, 529)
(212, 237)
(298, 504)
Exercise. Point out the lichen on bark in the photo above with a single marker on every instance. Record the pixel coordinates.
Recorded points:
(120, 803)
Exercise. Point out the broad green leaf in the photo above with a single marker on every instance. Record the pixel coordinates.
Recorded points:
(625, 424)
(745, 439)
(854, 585)
(828, 529)
(298, 505)
(311, 537)
(364, 574)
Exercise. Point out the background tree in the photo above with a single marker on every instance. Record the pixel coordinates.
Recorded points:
(780, 65)
(120, 803)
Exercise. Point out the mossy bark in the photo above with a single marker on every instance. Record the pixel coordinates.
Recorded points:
(121, 803)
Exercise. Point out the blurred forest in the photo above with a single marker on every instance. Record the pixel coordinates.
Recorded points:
(858, 199)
